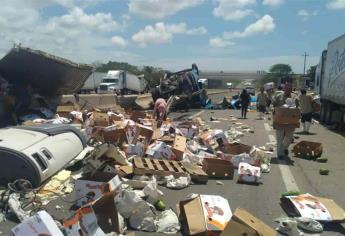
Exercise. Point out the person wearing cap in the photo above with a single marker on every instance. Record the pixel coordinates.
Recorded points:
(284, 133)
(306, 106)
(159, 110)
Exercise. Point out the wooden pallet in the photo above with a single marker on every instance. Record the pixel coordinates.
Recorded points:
(143, 166)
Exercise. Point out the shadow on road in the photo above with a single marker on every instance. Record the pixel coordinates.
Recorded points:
(334, 228)
(286, 161)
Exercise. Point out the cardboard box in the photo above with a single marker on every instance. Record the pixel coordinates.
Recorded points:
(218, 168)
(145, 132)
(137, 149)
(83, 222)
(307, 149)
(317, 208)
(160, 150)
(39, 224)
(65, 110)
(286, 116)
(205, 214)
(220, 138)
(179, 147)
(122, 171)
(244, 223)
(248, 173)
(236, 148)
(114, 135)
(101, 119)
(96, 218)
(108, 218)
(91, 187)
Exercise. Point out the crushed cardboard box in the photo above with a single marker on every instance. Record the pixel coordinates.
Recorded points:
(317, 208)
(39, 224)
(244, 223)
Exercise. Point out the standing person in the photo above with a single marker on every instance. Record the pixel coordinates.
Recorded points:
(159, 111)
(306, 106)
(245, 102)
(284, 133)
(262, 102)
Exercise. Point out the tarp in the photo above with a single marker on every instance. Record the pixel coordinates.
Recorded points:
(48, 74)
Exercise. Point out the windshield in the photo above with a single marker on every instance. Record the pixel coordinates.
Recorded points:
(114, 81)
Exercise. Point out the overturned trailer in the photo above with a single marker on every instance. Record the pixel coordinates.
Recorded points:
(183, 84)
(37, 79)
(47, 74)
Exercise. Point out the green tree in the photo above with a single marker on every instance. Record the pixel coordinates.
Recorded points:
(311, 72)
(281, 69)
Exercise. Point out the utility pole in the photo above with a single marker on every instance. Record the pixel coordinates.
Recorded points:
(305, 55)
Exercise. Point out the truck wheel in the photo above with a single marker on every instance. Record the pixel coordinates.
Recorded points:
(328, 115)
(323, 112)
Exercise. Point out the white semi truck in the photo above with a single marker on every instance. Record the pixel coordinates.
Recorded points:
(122, 82)
(330, 82)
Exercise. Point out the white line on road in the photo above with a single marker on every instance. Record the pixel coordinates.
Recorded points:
(267, 127)
(288, 179)
(196, 114)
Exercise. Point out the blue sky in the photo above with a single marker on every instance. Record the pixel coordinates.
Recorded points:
(216, 34)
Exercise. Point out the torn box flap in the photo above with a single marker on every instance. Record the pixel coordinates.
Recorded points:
(109, 220)
(192, 213)
(337, 213)
(249, 221)
(84, 221)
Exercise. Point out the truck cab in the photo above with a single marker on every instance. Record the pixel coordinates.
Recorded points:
(112, 82)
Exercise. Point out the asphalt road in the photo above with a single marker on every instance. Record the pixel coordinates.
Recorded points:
(261, 200)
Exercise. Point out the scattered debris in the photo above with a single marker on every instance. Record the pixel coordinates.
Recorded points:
(324, 171)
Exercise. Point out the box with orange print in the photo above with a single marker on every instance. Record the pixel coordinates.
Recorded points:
(90, 187)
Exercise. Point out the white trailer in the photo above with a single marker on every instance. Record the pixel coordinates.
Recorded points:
(122, 82)
(330, 82)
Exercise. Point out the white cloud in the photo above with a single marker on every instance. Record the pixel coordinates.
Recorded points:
(197, 31)
(77, 19)
(219, 42)
(273, 3)
(163, 33)
(118, 41)
(264, 25)
(159, 9)
(305, 15)
(233, 9)
(336, 4)
(76, 35)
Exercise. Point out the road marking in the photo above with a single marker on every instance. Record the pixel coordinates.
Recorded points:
(272, 139)
(196, 114)
(288, 179)
(267, 127)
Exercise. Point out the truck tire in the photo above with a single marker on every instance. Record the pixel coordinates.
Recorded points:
(328, 115)
(323, 112)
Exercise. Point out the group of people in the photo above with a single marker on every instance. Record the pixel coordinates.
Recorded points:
(283, 96)
(263, 102)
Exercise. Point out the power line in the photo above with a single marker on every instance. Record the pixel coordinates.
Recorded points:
(305, 55)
